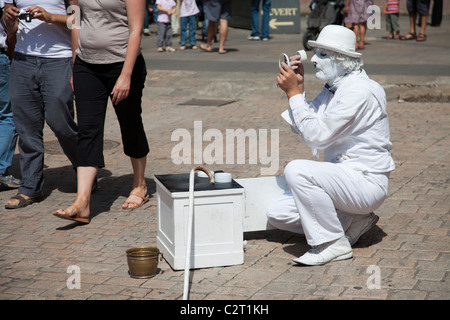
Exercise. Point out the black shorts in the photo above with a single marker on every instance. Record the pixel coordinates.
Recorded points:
(420, 7)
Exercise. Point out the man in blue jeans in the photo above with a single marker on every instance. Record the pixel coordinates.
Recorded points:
(8, 134)
(264, 35)
(40, 89)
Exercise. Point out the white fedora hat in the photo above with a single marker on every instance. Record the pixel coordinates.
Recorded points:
(336, 38)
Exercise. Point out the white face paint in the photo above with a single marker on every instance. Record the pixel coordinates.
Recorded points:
(327, 69)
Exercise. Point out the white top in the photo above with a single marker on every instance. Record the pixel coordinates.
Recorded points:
(188, 8)
(351, 125)
(38, 38)
(2, 32)
(168, 5)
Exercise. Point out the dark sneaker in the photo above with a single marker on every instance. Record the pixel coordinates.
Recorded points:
(10, 182)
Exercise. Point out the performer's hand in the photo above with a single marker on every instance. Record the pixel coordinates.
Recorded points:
(297, 66)
(288, 81)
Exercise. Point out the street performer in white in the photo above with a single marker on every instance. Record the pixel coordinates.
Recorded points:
(332, 202)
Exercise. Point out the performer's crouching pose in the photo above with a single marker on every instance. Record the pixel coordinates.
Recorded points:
(332, 202)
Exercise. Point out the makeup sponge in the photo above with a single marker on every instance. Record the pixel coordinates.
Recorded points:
(302, 54)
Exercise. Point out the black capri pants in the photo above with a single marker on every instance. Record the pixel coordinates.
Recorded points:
(93, 84)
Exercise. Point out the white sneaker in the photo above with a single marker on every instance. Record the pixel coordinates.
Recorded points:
(360, 225)
(337, 250)
(253, 38)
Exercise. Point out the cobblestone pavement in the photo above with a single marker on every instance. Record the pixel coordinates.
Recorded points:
(409, 246)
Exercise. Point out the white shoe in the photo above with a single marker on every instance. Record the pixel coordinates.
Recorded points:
(253, 38)
(360, 225)
(338, 250)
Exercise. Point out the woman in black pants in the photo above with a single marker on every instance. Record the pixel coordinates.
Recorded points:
(108, 64)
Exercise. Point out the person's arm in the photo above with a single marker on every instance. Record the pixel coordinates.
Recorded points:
(42, 14)
(10, 24)
(75, 31)
(75, 34)
(342, 115)
(347, 3)
(319, 131)
(10, 19)
(161, 9)
(167, 11)
(11, 40)
(135, 14)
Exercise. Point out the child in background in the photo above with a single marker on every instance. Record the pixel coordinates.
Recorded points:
(188, 11)
(391, 12)
(166, 8)
(356, 19)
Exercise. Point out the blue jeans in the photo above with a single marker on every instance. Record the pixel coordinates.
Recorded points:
(40, 92)
(8, 134)
(187, 22)
(265, 18)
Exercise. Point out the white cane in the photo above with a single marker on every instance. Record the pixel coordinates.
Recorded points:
(189, 227)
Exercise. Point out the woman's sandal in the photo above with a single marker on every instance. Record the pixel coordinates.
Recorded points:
(138, 204)
(74, 217)
(409, 36)
(421, 37)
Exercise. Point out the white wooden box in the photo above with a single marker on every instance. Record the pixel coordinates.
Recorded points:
(259, 194)
(217, 235)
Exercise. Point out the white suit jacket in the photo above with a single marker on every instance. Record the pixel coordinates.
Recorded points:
(350, 124)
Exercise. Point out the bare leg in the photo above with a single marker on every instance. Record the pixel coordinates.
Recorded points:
(85, 180)
(423, 26)
(362, 35)
(412, 29)
(223, 33)
(355, 28)
(139, 185)
(412, 24)
(212, 28)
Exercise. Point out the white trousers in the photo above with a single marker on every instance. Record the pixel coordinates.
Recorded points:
(323, 199)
